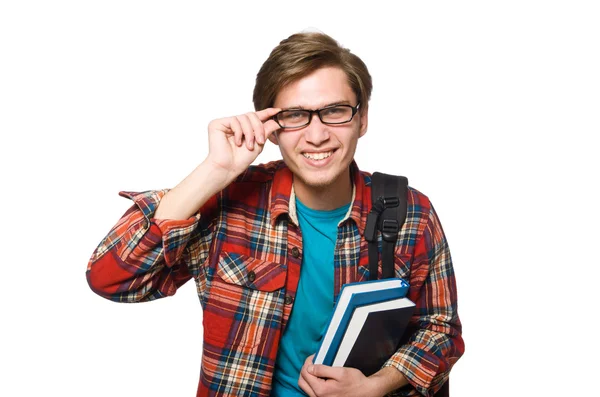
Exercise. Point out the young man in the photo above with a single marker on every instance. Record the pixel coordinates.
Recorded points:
(270, 246)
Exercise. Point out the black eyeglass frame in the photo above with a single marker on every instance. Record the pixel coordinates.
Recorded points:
(318, 112)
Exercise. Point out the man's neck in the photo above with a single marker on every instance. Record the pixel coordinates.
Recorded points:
(325, 198)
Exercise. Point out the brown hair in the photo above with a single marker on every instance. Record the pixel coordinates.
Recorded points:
(301, 54)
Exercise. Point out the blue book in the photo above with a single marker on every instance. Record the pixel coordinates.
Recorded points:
(367, 323)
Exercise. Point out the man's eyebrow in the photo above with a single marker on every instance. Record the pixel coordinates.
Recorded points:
(338, 103)
(300, 107)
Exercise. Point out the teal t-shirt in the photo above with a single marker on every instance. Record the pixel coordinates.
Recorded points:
(314, 299)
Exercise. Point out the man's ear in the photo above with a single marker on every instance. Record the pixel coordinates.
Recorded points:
(364, 121)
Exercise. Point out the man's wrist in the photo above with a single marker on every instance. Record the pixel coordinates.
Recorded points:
(385, 381)
(375, 386)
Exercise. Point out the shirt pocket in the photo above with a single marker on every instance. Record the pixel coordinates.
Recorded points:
(244, 304)
(253, 273)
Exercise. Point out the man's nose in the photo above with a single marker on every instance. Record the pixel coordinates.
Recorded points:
(316, 132)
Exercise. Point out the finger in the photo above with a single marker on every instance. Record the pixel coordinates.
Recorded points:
(308, 361)
(325, 371)
(248, 130)
(270, 127)
(267, 113)
(238, 133)
(257, 125)
(313, 382)
(305, 387)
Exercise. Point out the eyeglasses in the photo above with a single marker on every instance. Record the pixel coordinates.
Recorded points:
(296, 118)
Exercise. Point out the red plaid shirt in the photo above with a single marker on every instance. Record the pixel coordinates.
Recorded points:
(244, 251)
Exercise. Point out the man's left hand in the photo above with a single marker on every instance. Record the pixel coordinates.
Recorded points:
(325, 381)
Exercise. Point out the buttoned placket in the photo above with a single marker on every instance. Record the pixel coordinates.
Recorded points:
(294, 264)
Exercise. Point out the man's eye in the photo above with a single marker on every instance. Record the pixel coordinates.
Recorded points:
(293, 115)
(333, 111)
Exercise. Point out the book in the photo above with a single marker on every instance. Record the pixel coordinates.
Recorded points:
(367, 324)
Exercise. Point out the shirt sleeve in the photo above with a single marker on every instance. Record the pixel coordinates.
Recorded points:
(143, 258)
(431, 351)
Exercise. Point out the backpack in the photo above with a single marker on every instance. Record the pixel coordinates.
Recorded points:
(389, 196)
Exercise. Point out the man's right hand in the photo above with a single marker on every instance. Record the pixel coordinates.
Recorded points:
(235, 142)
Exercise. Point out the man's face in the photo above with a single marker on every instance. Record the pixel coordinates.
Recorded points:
(318, 154)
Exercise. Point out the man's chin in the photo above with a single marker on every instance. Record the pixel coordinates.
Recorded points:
(317, 180)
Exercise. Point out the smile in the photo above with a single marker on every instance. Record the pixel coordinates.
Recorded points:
(318, 156)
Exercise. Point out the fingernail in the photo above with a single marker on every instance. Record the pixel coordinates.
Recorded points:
(310, 369)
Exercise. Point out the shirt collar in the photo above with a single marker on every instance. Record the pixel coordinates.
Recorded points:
(283, 198)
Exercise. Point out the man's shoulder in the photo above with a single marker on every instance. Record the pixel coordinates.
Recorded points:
(415, 197)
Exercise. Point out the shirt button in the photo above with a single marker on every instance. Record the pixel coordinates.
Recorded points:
(289, 299)
(251, 276)
(295, 252)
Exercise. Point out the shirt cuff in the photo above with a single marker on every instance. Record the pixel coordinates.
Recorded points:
(418, 365)
(174, 233)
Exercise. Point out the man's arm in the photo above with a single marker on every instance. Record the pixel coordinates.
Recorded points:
(322, 380)
(429, 354)
(424, 362)
(142, 256)
(234, 143)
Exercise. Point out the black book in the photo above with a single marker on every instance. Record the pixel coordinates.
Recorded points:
(378, 334)
(367, 325)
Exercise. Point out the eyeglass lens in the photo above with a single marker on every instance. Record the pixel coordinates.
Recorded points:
(299, 117)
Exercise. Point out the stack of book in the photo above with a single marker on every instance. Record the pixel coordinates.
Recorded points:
(367, 324)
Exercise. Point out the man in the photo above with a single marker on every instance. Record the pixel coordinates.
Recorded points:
(270, 246)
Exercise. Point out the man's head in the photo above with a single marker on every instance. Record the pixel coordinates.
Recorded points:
(302, 54)
(310, 71)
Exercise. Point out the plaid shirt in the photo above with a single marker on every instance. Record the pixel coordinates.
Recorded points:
(244, 251)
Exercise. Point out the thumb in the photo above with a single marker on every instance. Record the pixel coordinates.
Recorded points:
(324, 371)
(270, 127)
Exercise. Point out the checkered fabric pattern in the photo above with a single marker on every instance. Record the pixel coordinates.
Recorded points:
(244, 251)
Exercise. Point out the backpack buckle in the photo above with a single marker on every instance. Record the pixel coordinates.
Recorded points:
(389, 230)
(390, 202)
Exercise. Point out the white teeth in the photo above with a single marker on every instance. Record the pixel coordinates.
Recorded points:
(317, 156)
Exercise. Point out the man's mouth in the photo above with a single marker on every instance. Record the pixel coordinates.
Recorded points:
(317, 156)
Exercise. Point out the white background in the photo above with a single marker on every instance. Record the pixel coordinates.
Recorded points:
(490, 108)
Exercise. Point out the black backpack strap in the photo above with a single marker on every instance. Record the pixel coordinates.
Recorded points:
(388, 213)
